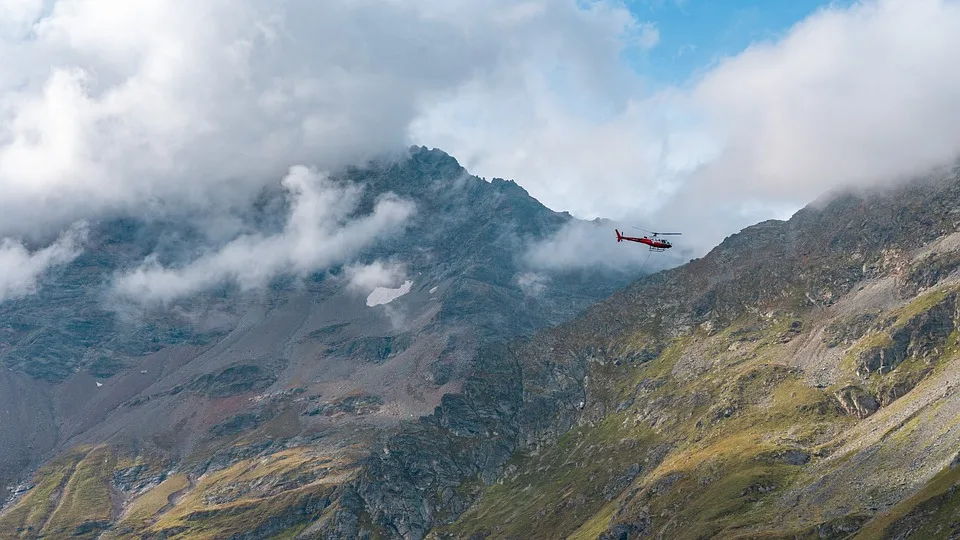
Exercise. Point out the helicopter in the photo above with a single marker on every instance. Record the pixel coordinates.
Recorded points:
(655, 243)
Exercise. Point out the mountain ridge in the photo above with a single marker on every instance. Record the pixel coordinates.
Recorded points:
(719, 306)
(697, 348)
(302, 368)
(719, 398)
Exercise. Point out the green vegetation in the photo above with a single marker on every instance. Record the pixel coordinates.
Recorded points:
(71, 497)
(922, 304)
(563, 487)
(367, 349)
(596, 525)
(929, 513)
(292, 509)
(715, 451)
(32, 512)
(884, 368)
(144, 508)
(851, 362)
(719, 446)
(86, 497)
(277, 494)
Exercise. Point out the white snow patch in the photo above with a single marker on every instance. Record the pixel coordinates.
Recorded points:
(383, 295)
(433, 290)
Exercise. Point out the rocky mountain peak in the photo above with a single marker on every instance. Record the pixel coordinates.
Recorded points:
(306, 371)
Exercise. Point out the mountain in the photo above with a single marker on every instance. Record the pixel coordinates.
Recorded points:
(799, 381)
(245, 411)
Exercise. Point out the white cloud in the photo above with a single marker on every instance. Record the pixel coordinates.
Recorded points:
(318, 233)
(593, 244)
(147, 105)
(20, 269)
(648, 36)
(532, 283)
(107, 105)
(144, 106)
(851, 96)
(16, 15)
(365, 278)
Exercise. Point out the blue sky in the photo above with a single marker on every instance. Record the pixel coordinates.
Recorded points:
(694, 34)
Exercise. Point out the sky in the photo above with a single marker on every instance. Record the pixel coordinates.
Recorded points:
(691, 115)
(695, 35)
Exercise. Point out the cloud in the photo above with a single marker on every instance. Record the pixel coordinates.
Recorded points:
(366, 278)
(319, 232)
(532, 283)
(592, 244)
(20, 269)
(852, 96)
(108, 107)
(648, 36)
(150, 106)
(849, 97)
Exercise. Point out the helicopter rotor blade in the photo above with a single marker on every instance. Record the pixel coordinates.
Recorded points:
(657, 233)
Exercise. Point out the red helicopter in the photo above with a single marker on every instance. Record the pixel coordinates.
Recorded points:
(654, 243)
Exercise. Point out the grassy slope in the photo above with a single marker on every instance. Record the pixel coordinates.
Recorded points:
(243, 497)
(33, 511)
(728, 432)
(930, 513)
(87, 495)
(70, 492)
(142, 510)
(76, 489)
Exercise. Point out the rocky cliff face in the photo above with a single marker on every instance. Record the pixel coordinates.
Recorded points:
(233, 413)
(798, 381)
